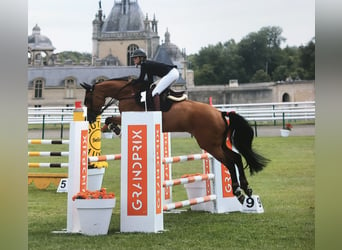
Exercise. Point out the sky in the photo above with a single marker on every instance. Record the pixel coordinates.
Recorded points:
(193, 24)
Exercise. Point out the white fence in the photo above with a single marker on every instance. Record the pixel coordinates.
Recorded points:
(273, 111)
(252, 112)
(256, 113)
(60, 115)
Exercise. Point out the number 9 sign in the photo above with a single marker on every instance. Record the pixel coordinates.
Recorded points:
(252, 205)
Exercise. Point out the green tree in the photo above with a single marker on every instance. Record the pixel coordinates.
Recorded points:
(307, 59)
(280, 73)
(261, 50)
(74, 56)
(257, 57)
(260, 76)
(217, 64)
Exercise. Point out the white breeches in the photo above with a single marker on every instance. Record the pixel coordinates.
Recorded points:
(165, 81)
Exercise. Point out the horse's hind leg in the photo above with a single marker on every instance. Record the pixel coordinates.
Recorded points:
(242, 177)
(227, 158)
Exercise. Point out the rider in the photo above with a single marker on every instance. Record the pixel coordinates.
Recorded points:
(168, 73)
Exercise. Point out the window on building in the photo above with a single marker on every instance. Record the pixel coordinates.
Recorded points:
(130, 50)
(286, 97)
(70, 88)
(38, 88)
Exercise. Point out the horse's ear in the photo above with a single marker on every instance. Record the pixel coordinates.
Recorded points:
(86, 86)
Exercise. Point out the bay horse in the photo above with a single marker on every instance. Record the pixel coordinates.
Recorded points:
(207, 124)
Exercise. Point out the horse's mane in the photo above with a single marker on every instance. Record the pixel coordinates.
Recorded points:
(123, 78)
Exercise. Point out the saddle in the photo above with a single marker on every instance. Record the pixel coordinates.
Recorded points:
(167, 98)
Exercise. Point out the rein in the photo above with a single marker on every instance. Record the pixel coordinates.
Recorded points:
(112, 100)
(132, 94)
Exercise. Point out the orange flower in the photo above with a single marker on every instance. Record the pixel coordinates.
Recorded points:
(98, 194)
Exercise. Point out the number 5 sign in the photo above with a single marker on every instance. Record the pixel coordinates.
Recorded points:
(63, 186)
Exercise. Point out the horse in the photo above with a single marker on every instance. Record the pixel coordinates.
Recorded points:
(210, 127)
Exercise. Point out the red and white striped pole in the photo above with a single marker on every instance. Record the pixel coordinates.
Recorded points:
(167, 198)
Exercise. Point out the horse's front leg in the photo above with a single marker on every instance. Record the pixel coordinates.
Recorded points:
(114, 124)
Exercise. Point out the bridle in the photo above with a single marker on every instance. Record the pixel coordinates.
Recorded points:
(89, 100)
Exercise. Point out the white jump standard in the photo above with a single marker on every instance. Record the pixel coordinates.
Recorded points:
(141, 172)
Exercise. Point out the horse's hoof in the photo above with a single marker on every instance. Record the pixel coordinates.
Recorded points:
(249, 192)
(108, 120)
(241, 198)
(239, 195)
(115, 129)
(237, 191)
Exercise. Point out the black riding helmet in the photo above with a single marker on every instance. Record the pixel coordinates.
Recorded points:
(139, 53)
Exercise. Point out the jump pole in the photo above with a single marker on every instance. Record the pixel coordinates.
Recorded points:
(141, 172)
(78, 165)
(167, 167)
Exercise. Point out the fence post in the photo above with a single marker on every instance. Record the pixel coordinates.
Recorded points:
(43, 127)
(62, 125)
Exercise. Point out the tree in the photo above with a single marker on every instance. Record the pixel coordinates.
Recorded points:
(307, 59)
(257, 57)
(217, 64)
(280, 73)
(261, 50)
(75, 57)
(261, 76)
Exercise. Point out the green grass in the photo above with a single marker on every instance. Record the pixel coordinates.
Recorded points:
(286, 189)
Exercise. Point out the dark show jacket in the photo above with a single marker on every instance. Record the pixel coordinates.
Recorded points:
(152, 68)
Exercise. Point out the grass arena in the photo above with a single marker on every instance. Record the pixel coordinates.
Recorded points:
(286, 188)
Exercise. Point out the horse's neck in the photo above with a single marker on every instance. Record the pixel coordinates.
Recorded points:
(114, 89)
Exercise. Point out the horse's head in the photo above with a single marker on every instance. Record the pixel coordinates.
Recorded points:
(95, 97)
(94, 104)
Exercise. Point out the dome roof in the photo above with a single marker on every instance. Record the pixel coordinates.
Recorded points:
(125, 15)
(171, 50)
(36, 41)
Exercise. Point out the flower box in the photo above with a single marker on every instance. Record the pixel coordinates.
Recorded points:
(284, 132)
(94, 211)
(195, 190)
(107, 135)
(94, 215)
(95, 178)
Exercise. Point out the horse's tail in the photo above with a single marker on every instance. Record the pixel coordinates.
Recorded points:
(241, 136)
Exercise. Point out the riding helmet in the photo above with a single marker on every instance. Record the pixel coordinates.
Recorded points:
(138, 53)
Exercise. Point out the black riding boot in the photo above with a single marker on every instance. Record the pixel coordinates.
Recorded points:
(156, 101)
